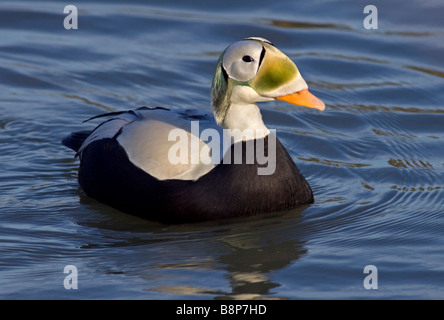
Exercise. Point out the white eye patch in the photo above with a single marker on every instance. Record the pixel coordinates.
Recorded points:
(241, 60)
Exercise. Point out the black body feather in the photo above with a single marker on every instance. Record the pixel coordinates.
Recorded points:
(229, 190)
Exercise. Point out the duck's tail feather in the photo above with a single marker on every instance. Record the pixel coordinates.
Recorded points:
(75, 140)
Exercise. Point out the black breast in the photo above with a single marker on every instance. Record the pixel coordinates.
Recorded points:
(229, 190)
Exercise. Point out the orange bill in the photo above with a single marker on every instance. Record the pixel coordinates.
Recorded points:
(303, 98)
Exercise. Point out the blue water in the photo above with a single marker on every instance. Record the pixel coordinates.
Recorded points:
(374, 157)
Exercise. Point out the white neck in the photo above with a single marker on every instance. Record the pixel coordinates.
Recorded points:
(243, 116)
(246, 118)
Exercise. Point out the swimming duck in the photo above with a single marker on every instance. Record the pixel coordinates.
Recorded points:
(176, 166)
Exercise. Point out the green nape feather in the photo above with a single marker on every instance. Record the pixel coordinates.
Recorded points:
(220, 92)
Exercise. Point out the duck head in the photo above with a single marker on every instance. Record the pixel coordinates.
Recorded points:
(254, 70)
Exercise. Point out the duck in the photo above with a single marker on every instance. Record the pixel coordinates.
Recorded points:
(185, 165)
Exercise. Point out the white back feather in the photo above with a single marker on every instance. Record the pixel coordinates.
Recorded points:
(143, 133)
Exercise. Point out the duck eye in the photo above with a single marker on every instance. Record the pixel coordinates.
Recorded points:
(247, 59)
